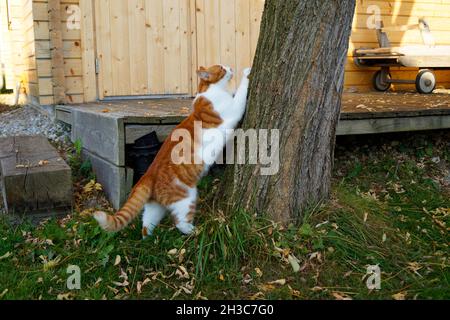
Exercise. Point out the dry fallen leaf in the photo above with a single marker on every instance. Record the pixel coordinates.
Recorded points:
(280, 282)
(117, 261)
(199, 296)
(247, 279)
(114, 290)
(186, 290)
(96, 284)
(172, 252)
(140, 285)
(52, 263)
(294, 263)
(182, 273)
(266, 287)
(399, 296)
(414, 267)
(341, 296)
(43, 163)
(181, 255)
(125, 283)
(316, 255)
(258, 295)
(65, 296)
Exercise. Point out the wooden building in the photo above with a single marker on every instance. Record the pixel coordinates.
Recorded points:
(74, 51)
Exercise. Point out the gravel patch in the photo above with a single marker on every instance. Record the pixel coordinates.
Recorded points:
(28, 121)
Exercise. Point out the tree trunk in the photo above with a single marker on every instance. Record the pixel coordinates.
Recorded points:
(296, 87)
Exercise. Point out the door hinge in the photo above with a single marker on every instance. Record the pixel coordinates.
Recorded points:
(97, 65)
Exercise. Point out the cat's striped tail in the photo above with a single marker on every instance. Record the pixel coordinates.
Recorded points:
(112, 223)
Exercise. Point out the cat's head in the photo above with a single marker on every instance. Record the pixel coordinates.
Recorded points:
(219, 75)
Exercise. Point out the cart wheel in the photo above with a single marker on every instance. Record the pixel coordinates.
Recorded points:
(426, 81)
(379, 80)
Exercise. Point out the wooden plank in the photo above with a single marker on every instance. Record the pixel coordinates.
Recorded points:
(384, 125)
(75, 98)
(103, 36)
(256, 9)
(45, 67)
(138, 47)
(74, 85)
(155, 41)
(228, 36)
(172, 48)
(193, 46)
(46, 86)
(201, 36)
(243, 41)
(29, 184)
(40, 11)
(212, 33)
(102, 135)
(73, 67)
(120, 49)
(56, 51)
(185, 47)
(46, 100)
(88, 50)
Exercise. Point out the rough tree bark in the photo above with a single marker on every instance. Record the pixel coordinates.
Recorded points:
(296, 87)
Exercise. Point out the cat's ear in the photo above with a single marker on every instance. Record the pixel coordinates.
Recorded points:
(203, 73)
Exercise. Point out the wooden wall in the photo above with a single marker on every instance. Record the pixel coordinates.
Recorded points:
(227, 21)
(143, 47)
(232, 24)
(397, 12)
(18, 48)
(71, 44)
(5, 49)
(227, 33)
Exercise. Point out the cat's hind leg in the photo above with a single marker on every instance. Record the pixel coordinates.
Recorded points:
(153, 214)
(183, 212)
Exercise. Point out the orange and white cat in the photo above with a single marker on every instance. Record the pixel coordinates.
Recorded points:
(169, 187)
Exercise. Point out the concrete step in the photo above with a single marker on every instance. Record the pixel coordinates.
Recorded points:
(34, 178)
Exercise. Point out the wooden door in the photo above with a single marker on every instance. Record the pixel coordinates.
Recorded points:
(143, 47)
(227, 32)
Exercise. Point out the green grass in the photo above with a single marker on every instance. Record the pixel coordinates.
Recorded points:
(389, 207)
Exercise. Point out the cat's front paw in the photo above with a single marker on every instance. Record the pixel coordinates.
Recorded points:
(186, 228)
(247, 71)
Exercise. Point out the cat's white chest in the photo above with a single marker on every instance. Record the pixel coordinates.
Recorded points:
(221, 100)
